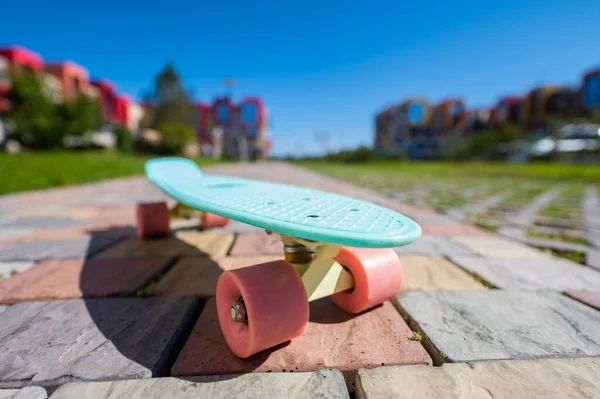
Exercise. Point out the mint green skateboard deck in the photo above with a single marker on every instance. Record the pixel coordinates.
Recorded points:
(289, 210)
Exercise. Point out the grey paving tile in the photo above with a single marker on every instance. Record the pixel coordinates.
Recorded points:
(324, 384)
(35, 250)
(42, 222)
(50, 343)
(526, 216)
(433, 245)
(547, 273)
(24, 393)
(495, 325)
(498, 246)
(541, 378)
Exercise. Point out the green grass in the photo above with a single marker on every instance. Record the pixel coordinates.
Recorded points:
(541, 170)
(558, 237)
(38, 170)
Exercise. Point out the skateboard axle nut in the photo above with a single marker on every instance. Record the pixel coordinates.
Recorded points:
(238, 312)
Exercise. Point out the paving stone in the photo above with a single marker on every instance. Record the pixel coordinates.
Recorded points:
(56, 249)
(593, 258)
(198, 276)
(96, 339)
(433, 246)
(540, 378)
(24, 393)
(257, 243)
(527, 215)
(193, 244)
(478, 207)
(548, 273)
(55, 211)
(333, 339)
(325, 383)
(13, 232)
(588, 297)
(210, 242)
(7, 269)
(494, 325)
(42, 222)
(452, 229)
(434, 273)
(76, 278)
(498, 246)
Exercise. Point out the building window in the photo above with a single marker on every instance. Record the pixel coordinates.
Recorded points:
(415, 113)
(592, 92)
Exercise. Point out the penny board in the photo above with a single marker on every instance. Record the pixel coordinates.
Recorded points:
(286, 209)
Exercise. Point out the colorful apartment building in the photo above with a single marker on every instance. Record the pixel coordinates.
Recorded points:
(19, 57)
(74, 78)
(507, 109)
(544, 102)
(448, 114)
(590, 91)
(252, 127)
(239, 129)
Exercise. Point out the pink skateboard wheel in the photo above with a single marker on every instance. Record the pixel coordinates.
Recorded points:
(261, 306)
(377, 277)
(211, 220)
(152, 220)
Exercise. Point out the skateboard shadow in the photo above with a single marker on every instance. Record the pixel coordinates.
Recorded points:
(117, 283)
(150, 327)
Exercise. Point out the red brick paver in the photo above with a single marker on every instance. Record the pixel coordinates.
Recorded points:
(333, 339)
(589, 298)
(198, 276)
(75, 278)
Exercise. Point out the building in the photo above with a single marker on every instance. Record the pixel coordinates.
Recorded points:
(251, 132)
(21, 58)
(590, 91)
(448, 115)
(507, 109)
(74, 78)
(202, 118)
(135, 115)
(107, 98)
(383, 132)
(4, 84)
(536, 108)
(411, 128)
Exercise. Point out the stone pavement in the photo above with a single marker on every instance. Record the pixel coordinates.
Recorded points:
(87, 310)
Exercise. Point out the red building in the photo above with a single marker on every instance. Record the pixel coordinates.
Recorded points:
(508, 109)
(107, 98)
(203, 121)
(13, 59)
(74, 78)
(448, 114)
(20, 57)
(252, 116)
(223, 111)
(121, 114)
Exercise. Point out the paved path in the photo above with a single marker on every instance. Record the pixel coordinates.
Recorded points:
(88, 310)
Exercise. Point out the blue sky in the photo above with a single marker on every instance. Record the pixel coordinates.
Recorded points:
(321, 66)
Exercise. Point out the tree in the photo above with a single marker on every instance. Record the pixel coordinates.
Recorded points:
(170, 102)
(176, 136)
(34, 116)
(80, 116)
